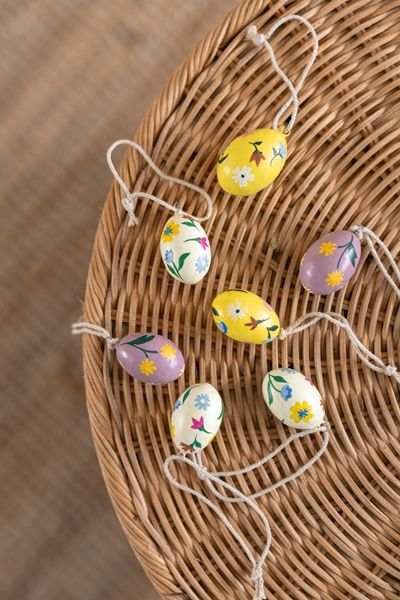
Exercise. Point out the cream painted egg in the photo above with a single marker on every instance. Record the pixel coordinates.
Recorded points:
(185, 249)
(196, 417)
(251, 162)
(245, 317)
(293, 398)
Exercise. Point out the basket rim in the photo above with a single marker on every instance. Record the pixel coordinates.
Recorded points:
(97, 292)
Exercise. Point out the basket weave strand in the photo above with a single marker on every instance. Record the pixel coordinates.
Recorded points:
(334, 530)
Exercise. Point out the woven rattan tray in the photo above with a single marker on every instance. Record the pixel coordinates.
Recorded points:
(335, 528)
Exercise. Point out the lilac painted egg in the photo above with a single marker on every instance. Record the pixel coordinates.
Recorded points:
(150, 358)
(330, 262)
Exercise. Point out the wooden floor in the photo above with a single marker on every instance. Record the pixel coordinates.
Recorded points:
(74, 76)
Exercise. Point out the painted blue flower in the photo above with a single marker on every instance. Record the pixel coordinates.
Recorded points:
(169, 256)
(221, 325)
(282, 150)
(202, 401)
(202, 263)
(286, 392)
(303, 413)
(178, 404)
(287, 370)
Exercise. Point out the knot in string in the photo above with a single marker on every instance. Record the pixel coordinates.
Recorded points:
(257, 573)
(129, 203)
(258, 578)
(259, 39)
(130, 199)
(253, 36)
(202, 472)
(390, 370)
(359, 231)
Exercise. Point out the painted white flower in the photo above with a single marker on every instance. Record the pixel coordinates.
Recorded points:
(236, 310)
(243, 175)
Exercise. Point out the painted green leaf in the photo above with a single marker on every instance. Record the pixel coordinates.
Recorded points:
(144, 339)
(204, 430)
(198, 239)
(171, 270)
(221, 413)
(270, 396)
(278, 378)
(353, 255)
(185, 395)
(257, 143)
(195, 443)
(182, 259)
(189, 224)
(221, 160)
(273, 328)
(214, 311)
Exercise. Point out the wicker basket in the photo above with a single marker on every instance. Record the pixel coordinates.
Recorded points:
(334, 528)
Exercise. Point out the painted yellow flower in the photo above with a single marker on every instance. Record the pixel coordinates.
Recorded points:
(168, 352)
(172, 430)
(171, 229)
(327, 248)
(301, 412)
(147, 367)
(334, 278)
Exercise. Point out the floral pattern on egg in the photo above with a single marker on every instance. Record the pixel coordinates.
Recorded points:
(293, 398)
(330, 262)
(150, 358)
(196, 417)
(251, 162)
(245, 317)
(185, 249)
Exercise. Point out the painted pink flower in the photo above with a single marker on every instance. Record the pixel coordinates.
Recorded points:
(197, 423)
(204, 243)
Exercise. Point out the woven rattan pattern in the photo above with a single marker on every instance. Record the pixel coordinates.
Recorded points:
(334, 529)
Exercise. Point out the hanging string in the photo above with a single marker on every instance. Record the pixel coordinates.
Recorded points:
(257, 565)
(368, 358)
(324, 429)
(130, 200)
(371, 237)
(81, 327)
(213, 478)
(263, 40)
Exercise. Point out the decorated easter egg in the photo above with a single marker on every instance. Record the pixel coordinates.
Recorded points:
(293, 398)
(185, 249)
(245, 317)
(251, 162)
(330, 262)
(150, 358)
(196, 417)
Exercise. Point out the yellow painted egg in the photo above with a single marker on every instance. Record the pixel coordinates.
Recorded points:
(245, 317)
(251, 163)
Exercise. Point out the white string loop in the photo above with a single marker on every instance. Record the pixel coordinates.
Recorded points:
(324, 429)
(371, 237)
(91, 328)
(368, 358)
(130, 200)
(260, 39)
(217, 478)
(257, 573)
